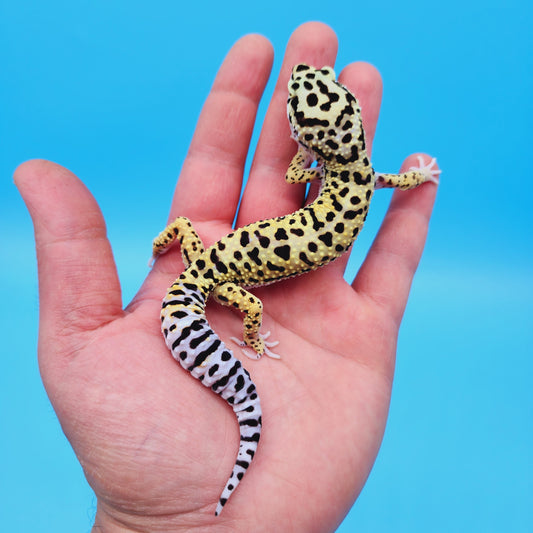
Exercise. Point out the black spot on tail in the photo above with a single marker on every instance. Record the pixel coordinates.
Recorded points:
(222, 503)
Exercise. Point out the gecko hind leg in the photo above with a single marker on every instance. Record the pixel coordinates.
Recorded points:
(180, 229)
(231, 295)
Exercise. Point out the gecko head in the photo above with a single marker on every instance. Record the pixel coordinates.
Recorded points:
(324, 115)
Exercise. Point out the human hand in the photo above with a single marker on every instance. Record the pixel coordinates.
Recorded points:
(155, 445)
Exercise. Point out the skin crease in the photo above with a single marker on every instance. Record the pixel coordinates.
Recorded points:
(155, 445)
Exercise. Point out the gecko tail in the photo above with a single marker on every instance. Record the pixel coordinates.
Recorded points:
(249, 417)
(201, 352)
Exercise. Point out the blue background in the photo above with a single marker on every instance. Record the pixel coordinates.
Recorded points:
(96, 86)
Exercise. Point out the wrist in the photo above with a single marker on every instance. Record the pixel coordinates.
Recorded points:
(113, 521)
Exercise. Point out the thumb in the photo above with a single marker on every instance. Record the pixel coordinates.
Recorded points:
(79, 288)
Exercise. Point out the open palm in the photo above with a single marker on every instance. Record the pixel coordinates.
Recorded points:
(155, 445)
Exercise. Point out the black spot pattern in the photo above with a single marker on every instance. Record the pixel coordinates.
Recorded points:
(326, 238)
(305, 259)
(281, 235)
(264, 242)
(312, 99)
(283, 251)
(253, 254)
(245, 239)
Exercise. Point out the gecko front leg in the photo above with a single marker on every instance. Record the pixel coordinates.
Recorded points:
(414, 177)
(180, 229)
(299, 170)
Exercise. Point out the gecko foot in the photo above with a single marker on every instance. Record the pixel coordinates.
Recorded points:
(429, 170)
(254, 355)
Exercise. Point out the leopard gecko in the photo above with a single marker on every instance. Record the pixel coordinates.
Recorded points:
(325, 121)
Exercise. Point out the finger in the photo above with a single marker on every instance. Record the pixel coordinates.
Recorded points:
(211, 178)
(390, 265)
(79, 288)
(266, 194)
